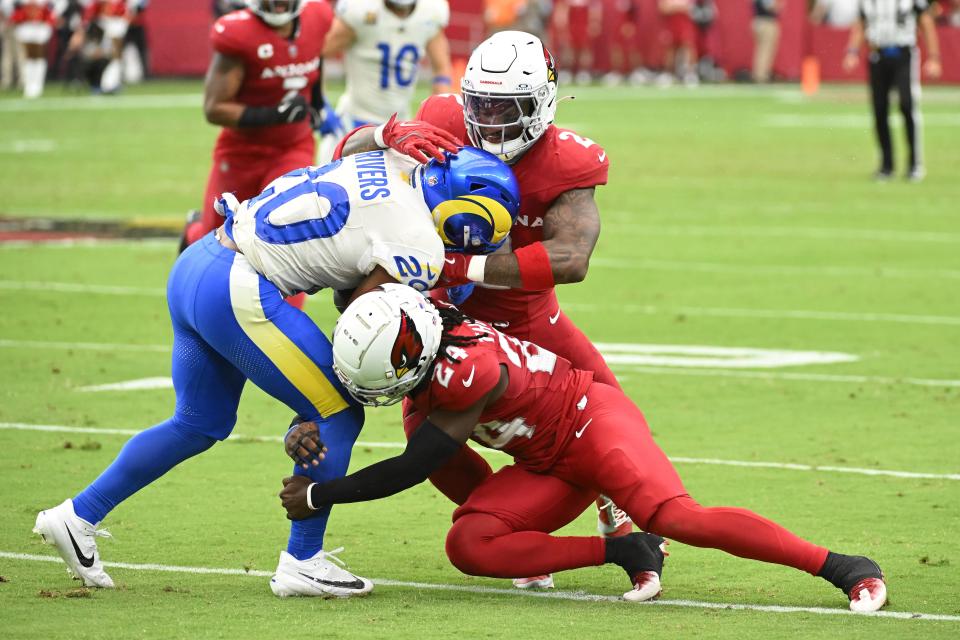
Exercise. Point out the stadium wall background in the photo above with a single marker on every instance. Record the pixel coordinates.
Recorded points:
(179, 39)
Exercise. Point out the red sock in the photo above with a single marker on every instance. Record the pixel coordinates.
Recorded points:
(738, 531)
(480, 544)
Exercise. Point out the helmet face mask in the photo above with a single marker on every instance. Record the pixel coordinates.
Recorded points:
(509, 93)
(276, 13)
(384, 344)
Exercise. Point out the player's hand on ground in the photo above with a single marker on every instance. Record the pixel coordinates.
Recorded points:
(417, 139)
(294, 497)
(293, 108)
(304, 446)
(454, 270)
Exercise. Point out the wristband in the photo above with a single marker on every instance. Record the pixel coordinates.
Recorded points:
(475, 268)
(441, 80)
(309, 496)
(378, 137)
(534, 264)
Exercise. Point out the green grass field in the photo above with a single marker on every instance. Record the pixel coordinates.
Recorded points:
(734, 217)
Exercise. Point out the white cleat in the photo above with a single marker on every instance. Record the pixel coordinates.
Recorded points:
(870, 594)
(317, 576)
(74, 540)
(646, 586)
(612, 521)
(535, 582)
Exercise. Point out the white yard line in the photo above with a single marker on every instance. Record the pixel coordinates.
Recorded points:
(711, 373)
(52, 428)
(795, 377)
(772, 269)
(105, 103)
(733, 230)
(157, 244)
(781, 314)
(74, 287)
(552, 595)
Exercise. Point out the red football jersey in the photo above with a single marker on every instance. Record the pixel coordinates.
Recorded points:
(105, 8)
(537, 413)
(272, 67)
(559, 161)
(33, 12)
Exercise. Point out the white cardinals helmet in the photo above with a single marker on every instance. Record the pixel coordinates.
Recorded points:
(384, 343)
(509, 93)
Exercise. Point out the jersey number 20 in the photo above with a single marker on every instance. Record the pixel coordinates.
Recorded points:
(307, 190)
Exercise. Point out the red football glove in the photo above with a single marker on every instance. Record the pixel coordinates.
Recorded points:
(416, 139)
(454, 270)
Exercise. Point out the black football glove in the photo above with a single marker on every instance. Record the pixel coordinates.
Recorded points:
(293, 108)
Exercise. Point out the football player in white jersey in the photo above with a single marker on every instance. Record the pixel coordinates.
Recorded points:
(352, 224)
(383, 42)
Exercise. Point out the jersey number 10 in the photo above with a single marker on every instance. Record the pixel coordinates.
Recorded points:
(388, 62)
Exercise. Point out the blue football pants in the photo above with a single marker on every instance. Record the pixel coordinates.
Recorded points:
(230, 324)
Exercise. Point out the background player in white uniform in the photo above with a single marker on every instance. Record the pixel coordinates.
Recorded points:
(354, 223)
(384, 42)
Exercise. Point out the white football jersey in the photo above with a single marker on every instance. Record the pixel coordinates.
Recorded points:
(382, 63)
(330, 226)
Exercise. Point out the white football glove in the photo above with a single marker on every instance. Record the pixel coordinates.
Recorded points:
(226, 205)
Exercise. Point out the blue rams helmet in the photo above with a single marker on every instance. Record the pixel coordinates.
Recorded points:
(474, 198)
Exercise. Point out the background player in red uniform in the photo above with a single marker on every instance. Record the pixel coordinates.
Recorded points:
(508, 106)
(261, 87)
(33, 23)
(567, 434)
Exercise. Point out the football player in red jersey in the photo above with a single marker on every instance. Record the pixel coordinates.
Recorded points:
(569, 435)
(262, 87)
(508, 105)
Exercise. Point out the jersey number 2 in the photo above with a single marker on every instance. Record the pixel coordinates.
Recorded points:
(388, 62)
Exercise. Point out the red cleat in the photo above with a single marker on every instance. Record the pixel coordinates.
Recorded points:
(536, 582)
(612, 521)
(870, 594)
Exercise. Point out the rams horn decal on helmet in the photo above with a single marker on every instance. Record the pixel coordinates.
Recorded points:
(482, 222)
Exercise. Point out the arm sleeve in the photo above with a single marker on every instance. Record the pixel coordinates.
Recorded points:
(428, 449)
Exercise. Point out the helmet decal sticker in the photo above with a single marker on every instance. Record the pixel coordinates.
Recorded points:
(407, 348)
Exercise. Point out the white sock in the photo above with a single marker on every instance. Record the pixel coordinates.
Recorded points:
(110, 80)
(34, 71)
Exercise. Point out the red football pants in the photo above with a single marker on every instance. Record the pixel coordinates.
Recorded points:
(246, 172)
(502, 530)
(550, 329)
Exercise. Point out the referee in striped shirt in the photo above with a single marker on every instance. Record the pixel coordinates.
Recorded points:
(890, 30)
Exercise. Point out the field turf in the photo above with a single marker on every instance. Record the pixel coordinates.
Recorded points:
(734, 217)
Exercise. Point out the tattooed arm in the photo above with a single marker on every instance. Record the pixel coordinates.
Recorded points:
(571, 227)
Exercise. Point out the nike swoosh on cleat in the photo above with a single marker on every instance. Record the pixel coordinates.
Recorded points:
(353, 584)
(84, 560)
